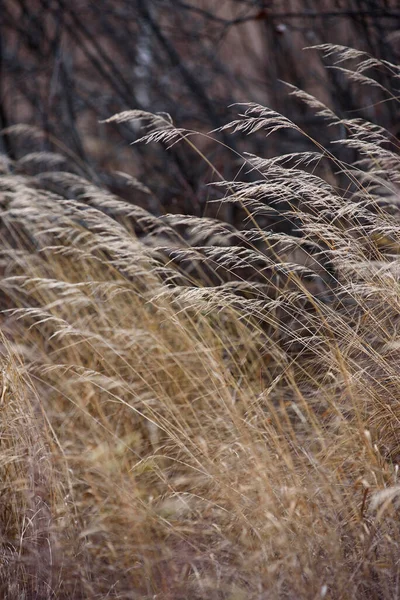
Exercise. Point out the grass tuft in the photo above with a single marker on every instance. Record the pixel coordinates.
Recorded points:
(193, 409)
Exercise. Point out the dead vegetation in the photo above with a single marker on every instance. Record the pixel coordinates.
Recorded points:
(191, 410)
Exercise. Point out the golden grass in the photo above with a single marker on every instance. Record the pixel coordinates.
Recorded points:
(237, 439)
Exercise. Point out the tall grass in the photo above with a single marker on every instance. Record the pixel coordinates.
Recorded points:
(191, 410)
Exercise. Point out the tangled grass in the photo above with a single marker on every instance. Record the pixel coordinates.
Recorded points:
(193, 410)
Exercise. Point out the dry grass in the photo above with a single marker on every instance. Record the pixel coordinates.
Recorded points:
(237, 439)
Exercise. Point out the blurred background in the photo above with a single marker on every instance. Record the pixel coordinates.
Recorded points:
(65, 65)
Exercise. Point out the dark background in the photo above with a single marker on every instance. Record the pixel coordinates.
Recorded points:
(67, 64)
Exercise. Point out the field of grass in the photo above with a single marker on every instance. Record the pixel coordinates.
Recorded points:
(194, 411)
